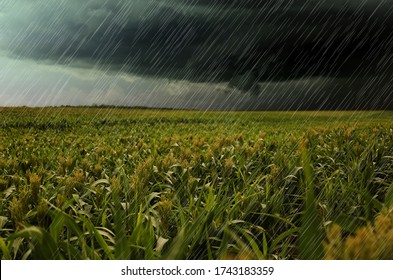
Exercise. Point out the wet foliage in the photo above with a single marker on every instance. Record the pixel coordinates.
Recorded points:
(107, 183)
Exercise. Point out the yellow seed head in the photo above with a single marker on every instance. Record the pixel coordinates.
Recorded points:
(3, 184)
(373, 242)
(42, 211)
(69, 162)
(17, 210)
(228, 164)
(35, 183)
(79, 175)
(116, 187)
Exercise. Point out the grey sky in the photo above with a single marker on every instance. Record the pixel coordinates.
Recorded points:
(195, 53)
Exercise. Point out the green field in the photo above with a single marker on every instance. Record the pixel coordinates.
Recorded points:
(102, 183)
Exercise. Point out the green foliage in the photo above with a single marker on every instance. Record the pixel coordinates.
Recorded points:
(104, 183)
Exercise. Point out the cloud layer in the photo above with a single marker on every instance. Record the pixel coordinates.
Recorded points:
(205, 40)
(242, 43)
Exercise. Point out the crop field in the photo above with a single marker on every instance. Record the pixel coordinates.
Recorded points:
(110, 183)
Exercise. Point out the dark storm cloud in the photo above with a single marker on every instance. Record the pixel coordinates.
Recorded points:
(240, 42)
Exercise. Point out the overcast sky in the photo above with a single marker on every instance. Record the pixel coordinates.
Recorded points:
(202, 54)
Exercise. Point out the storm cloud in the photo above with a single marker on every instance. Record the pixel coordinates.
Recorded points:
(245, 44)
